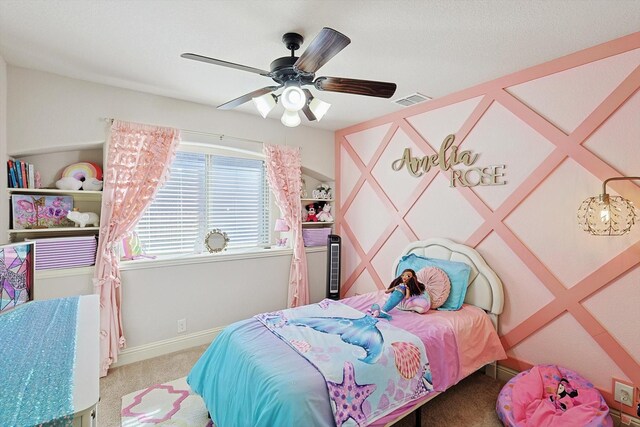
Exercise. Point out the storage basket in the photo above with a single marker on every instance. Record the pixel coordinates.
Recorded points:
(315, 236)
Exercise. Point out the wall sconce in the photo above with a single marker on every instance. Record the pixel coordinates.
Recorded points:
(607, 215)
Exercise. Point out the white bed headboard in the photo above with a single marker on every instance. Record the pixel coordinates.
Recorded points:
(484, 289)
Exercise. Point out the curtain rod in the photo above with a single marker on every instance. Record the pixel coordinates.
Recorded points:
(197, 132)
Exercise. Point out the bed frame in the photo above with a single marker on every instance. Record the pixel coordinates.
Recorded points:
(484, 289)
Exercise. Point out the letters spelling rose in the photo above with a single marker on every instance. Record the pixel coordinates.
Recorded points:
(417, 166)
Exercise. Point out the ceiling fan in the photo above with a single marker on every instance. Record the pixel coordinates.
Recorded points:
(292, 73)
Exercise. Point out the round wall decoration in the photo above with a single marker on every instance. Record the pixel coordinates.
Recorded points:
(216, 241)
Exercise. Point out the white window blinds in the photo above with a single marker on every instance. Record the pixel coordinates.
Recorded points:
(206, 192)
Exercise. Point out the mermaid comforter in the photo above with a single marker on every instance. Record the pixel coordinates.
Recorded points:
(253, 373)
(370, 366)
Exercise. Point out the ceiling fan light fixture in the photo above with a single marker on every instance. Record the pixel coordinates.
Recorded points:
(293, 98)
(319, 108)
(290, 118)
(265, 103)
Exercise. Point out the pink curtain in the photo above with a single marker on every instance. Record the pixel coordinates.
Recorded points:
(284, 176)
(137, 165)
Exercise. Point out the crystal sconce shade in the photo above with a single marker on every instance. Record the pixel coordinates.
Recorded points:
(607, 215)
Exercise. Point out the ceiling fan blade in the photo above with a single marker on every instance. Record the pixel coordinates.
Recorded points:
(325, 46)
(355, 86)
(306, 110)
(214, 61)
(246, 97)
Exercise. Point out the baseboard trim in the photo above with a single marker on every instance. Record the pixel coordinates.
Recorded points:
(505, 374)
(171, 345)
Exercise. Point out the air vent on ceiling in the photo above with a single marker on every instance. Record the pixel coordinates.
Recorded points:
(413, 99)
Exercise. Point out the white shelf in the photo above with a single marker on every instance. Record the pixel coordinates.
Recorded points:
(315, 200)
(92, 145)
(317, 223)
(52, 191)
(53, 230)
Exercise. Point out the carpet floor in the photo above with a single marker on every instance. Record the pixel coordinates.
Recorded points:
(154, 392)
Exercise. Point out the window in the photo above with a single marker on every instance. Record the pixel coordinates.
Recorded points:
(205, 192)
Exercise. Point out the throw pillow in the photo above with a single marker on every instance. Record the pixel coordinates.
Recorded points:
(458, 273)
(436, 283)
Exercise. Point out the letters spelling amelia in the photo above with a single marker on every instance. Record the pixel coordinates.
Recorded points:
(471, 177)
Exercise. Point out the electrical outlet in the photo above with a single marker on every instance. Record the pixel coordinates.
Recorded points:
(623, 393)
(182, 325)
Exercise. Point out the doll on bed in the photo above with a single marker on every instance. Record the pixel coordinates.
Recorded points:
(404, 286)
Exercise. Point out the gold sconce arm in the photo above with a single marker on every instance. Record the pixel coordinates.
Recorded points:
(618, 178)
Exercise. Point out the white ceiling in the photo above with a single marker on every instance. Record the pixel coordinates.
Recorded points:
(428, 46)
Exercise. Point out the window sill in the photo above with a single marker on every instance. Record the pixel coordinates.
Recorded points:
(230, 255)
(173, 261)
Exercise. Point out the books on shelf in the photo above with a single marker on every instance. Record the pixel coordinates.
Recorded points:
(20, 174)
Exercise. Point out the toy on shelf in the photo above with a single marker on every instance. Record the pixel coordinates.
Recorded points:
(83, 218)
(83, 170)
(322, 191)
(88, 174)
(311, 213)
(325, 213)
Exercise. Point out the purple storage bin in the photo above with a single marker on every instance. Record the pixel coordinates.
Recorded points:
(65, 252)
(315, 236)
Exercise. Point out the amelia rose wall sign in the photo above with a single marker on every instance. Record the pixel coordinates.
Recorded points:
(447, 157)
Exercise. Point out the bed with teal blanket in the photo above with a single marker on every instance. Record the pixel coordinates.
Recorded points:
(333, 364)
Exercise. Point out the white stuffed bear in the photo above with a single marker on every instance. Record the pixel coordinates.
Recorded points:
(325, 214)
(83, 218)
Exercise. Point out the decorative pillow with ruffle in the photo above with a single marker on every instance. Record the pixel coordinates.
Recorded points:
(436, 283)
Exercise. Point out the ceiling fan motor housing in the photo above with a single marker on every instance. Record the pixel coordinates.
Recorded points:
(282, 69)
(292, 41)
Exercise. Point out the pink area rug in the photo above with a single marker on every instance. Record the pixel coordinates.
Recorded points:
(169, 404)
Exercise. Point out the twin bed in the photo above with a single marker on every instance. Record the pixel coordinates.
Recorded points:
(331, 364)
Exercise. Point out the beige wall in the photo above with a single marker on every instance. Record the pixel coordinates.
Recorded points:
(4, 201)
(48, 113)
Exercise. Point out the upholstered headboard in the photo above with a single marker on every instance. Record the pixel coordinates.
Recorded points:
(484, 289)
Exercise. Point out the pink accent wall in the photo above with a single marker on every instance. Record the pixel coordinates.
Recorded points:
(561, 128)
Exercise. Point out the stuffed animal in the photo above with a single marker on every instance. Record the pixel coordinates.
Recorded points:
(83, 218)
(311, 213)
(325, 214)
(563, 398)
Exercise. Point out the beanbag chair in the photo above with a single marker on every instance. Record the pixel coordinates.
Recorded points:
(549, 395)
